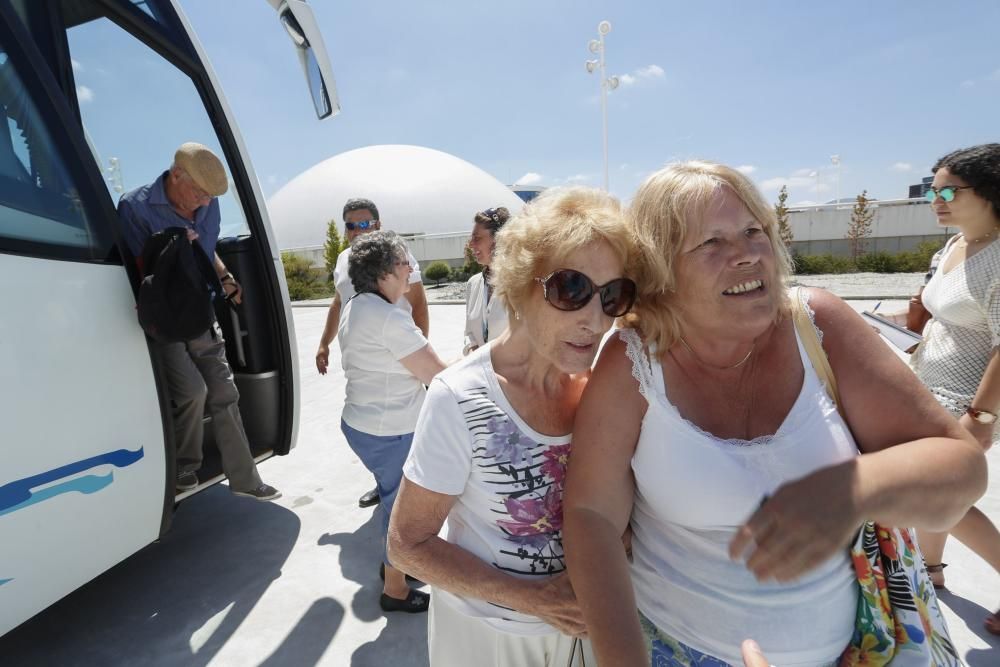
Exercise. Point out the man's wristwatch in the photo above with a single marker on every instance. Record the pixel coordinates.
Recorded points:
(982, 416)
(226, 276)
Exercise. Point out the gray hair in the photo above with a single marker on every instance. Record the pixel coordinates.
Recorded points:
(373, 255)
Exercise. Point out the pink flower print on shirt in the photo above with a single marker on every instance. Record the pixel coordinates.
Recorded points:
(507, 444)
(554, 467)
(534, 517)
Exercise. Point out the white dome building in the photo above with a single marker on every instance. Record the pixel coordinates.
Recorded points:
(417, 191)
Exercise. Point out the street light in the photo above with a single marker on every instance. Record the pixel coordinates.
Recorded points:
(596, 47)
(835, 160)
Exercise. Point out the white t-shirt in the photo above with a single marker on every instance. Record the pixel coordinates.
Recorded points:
(508, 478)
(484, 320)
(345, 288)
(383, 397)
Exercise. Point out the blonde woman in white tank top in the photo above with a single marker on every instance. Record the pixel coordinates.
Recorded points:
(705, 429)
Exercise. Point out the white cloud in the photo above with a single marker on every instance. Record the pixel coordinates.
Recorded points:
(902, 167)
(77, 67)
(968, 83)
(746, 169)
(529, 179)
(643, 74)
(995, 76)
(84, 94)
(578, 178)
(800, 179)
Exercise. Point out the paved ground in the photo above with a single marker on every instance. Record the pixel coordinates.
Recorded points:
(295, 582)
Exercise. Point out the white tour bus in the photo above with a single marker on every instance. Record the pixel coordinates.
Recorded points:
(97, 95)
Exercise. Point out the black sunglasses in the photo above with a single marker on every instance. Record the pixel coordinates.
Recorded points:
(363, 225)
(567, 289)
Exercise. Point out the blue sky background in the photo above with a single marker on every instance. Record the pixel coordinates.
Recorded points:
(776, 87)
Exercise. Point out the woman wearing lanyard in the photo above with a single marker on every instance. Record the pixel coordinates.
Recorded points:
(485, 319)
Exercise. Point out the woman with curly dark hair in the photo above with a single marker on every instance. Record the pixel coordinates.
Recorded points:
(485, 317)
(958, 359)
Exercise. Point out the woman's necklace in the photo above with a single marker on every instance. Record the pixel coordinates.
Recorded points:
(719, 368)
(985, 237)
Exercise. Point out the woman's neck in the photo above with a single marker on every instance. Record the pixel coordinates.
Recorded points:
(515, 357)
(980, 232)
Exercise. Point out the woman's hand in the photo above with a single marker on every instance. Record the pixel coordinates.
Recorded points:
(322, 359)
(800, 526)
(983, 433)
(555, 603)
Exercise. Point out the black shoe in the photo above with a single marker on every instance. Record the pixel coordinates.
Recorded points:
(262, 492)
(413, 581)
(186, 480)
(415, 603)
(369, 499)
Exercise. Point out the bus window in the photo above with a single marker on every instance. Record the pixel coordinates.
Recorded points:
(41, 213)
(137, 108)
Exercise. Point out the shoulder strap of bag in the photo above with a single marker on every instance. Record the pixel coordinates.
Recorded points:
(814, 348)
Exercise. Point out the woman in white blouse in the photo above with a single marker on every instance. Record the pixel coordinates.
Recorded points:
(485, 316)
(387, 361)
(958, 359)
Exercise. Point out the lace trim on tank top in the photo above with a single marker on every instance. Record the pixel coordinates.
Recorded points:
(642, 371)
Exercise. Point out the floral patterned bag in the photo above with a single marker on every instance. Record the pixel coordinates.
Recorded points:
(898, 621)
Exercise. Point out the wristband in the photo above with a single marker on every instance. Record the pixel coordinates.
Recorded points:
(227, 276)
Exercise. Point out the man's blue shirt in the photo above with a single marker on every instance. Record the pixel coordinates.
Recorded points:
(146, 210)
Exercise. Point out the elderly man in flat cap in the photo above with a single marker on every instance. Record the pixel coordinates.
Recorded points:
(198, 374)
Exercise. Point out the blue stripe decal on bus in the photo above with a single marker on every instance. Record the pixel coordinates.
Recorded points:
(4, 581)
(18, 494)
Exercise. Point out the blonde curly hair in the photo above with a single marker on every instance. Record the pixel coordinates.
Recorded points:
(551, 227)
(662, 213)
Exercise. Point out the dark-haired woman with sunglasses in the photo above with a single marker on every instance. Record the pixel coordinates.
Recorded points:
(958, 359)
(707, 430)
(485, 316)
(494, 436)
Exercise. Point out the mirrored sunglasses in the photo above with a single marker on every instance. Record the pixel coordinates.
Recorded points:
(946, 193)
(363, 225)
(567, 289)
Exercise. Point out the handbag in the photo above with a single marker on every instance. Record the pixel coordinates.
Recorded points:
(916, 314)
(898, 621)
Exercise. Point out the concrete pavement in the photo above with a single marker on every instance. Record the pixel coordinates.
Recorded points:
(295, 582)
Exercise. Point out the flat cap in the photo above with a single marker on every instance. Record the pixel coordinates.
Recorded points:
(204, 168)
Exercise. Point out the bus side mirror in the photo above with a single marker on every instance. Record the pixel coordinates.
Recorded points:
(299, 22)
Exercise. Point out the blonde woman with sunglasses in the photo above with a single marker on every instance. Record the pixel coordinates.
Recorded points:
(707, 430)
(958, 359)
(494, 437)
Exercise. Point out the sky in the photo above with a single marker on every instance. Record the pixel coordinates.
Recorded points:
(773, 87)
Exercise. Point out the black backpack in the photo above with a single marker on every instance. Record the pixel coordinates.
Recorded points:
(176, 294)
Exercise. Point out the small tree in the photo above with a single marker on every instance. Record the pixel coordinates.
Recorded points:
(781, 211)
(333, 246)
(303, 281)
(437, 271)
(861, 226)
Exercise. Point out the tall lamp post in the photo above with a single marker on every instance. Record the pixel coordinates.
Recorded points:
(596, 47)
(835, 160)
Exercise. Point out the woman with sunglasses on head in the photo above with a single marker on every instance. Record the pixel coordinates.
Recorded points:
(706, 429)
(387, 361)
(494, 436)
(485, 317)
(958, 359)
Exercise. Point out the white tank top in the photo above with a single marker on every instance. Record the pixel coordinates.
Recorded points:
(694, 490)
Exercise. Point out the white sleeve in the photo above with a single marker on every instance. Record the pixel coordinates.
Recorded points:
(470, 342)
(415, 276)
(400, 335)
(440, 458)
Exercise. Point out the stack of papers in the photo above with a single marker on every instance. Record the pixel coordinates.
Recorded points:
(899, 336)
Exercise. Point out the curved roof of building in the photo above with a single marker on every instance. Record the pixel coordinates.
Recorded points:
(416, 189)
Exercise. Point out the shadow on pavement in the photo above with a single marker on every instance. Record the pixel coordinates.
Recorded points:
(306, 643)
(973, 615)
(403, 640)
(177, 601)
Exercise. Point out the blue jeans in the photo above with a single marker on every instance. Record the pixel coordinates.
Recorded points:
(384, 456)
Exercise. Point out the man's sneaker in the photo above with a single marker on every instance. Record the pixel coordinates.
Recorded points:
(262, 492)
(186, 480)
(369, 499)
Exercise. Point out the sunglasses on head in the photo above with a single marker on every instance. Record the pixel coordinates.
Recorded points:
(946, 193)
(363, 225)
(567, 289)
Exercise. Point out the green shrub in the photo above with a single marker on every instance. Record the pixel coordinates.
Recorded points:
(918, 259)
(878, 262)
(304, 282)
(437, 271)
(812, 264)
